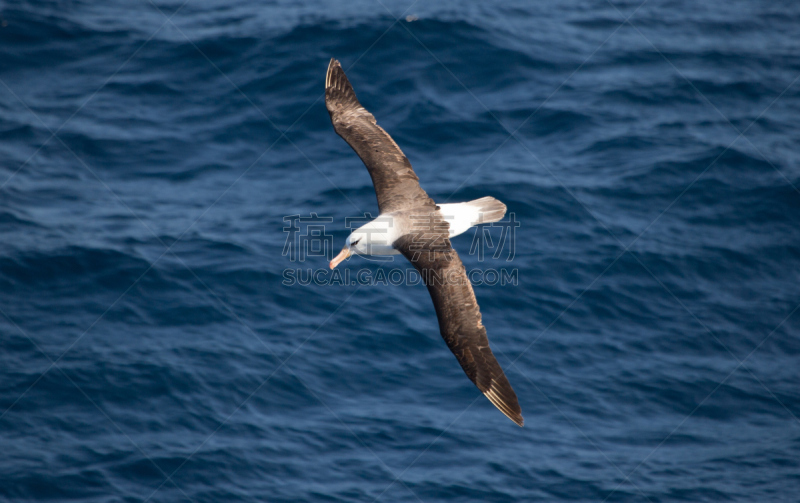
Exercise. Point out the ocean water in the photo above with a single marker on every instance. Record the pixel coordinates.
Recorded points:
(153, 348)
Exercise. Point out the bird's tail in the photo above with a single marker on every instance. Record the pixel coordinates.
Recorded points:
(462, 216)
(488, 209)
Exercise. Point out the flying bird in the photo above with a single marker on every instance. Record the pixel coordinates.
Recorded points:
(412, 224)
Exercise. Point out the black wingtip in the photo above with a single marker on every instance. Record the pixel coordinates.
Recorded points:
(506, 402)
(331, 68)
(339, 93)
(517, 418)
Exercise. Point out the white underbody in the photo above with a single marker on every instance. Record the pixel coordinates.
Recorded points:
(377, 236)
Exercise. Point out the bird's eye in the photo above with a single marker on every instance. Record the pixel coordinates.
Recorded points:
(355, 242)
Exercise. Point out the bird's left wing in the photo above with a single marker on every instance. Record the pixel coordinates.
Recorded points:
(428, 248)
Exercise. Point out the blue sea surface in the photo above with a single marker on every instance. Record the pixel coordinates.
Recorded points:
(154, 154)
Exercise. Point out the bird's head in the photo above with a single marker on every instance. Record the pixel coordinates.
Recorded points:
(356, 243)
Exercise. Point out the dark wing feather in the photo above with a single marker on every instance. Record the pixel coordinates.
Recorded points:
(396, 184)
(428, 248)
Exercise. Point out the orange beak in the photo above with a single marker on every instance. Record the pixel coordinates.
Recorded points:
(343, 255)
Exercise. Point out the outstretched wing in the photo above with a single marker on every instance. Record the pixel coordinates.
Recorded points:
(428, 249)
(396, 184)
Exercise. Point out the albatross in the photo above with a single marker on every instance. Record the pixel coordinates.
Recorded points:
(412, 224)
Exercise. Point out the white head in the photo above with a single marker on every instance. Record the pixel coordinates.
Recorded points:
(356, 242)
(374, 238)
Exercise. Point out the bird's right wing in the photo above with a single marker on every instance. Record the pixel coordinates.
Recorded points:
(396, 184)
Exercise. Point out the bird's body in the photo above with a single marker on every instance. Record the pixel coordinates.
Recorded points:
(412, 224)
(376, 237)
